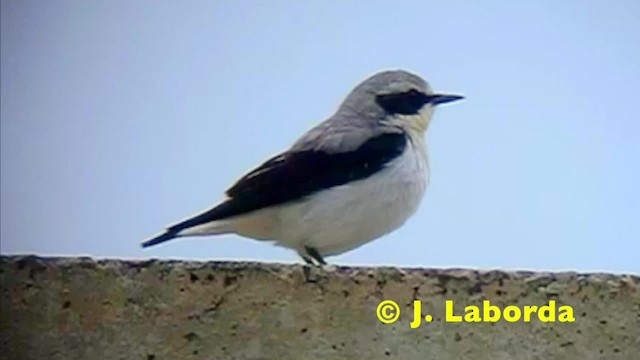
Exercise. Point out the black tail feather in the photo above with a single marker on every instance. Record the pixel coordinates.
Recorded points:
(200, 219)
(166, 236)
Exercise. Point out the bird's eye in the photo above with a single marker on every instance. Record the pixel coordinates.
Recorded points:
(404, 103)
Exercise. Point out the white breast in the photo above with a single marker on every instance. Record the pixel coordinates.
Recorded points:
(345, 217)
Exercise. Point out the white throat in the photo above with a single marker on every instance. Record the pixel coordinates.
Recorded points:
(415, 125)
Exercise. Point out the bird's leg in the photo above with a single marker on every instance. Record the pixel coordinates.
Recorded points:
(308, 260)
(312, 258)
(306, 268)
(315, 255)
(306, 271)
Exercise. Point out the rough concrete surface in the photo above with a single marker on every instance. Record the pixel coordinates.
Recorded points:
(78, 308)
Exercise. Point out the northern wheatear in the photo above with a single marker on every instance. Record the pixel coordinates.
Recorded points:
(354, 177)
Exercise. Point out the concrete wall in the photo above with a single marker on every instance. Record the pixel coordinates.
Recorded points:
(77, 308)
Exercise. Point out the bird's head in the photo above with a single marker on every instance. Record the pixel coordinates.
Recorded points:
(396, 98)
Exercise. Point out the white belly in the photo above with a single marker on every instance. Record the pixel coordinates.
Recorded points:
(345, 217)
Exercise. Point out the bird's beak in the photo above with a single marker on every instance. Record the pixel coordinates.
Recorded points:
(437, 99)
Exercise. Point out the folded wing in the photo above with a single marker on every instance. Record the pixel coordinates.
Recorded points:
(295, 175)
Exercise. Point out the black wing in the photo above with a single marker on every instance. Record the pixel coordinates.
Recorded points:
(292, 176)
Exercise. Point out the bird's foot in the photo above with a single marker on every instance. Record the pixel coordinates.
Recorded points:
(306, 271)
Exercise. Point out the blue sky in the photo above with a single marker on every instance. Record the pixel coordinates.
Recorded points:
(121, 117)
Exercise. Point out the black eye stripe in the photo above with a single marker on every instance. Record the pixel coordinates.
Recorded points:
(404, 103)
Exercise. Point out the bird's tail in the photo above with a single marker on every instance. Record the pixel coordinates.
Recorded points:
(205, 223)
(160, 238)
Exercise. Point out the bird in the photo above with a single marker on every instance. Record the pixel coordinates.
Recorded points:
(349, 180)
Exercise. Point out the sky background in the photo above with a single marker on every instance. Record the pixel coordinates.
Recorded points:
(121, 117)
